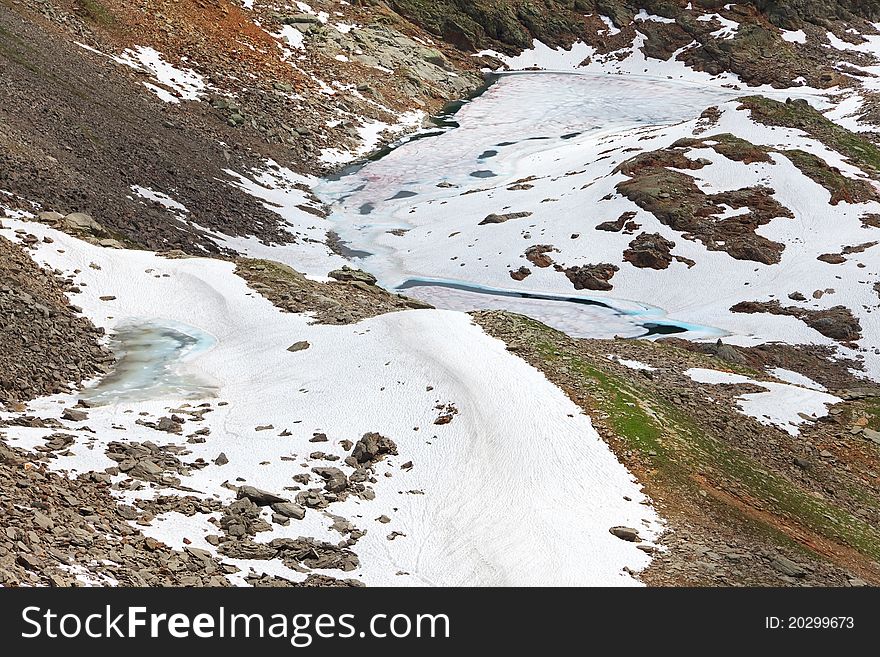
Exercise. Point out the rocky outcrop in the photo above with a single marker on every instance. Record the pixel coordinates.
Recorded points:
(624, 221)
(371, 448)
(837, 323)
(651, 251)
(501, 218)
(351, 297)
(46, 344)
(349, 275)
(592, 277)
(800, 115)
(520, 274)
(657, 185)
(537, 255)
(258, 496)
(509, 26)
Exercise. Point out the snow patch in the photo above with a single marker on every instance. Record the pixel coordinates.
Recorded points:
(631, 364)
(794, 36)
(783, 405)
(163, 199)
(174, 84)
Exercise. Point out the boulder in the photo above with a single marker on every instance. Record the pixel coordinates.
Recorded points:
(626, 534)
(80, 221)
(649, 251)
(258, 496)
(349, 275)
(74, 415)
(592, 277)
(289, 510)
(788, 567)
(373, 447)
(335, 480)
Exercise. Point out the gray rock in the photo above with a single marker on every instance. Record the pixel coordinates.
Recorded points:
(347, 274)
(258, 496)
(730, 354)
(43, 521)
(501, 218)
(299, 346)
(335, 480)
(373, 447)
(289, 510)
(74, 415)
(127, 511)
(146, 470)
(168, 425)
(312, 498)
(301, 19)
(82, 222)
(626, 533)
(788, 567)
(50, 217)
(873, 436)
(221, 459)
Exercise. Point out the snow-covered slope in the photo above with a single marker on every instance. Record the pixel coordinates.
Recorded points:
(517, 489)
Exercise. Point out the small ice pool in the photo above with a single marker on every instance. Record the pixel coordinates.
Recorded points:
(151, 364)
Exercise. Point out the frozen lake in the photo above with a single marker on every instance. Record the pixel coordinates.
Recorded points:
(391, 211)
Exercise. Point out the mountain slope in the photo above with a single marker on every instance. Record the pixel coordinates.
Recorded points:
(280, 414)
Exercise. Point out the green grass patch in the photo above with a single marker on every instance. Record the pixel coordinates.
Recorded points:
(872, 410)
(841, 187)
(679, 448)
(802, 116)
(96, 12)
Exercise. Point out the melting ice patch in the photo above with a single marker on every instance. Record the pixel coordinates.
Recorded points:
(397, 367)
(576, 315)
(150, 364)
(396, 208)
(796, 378)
